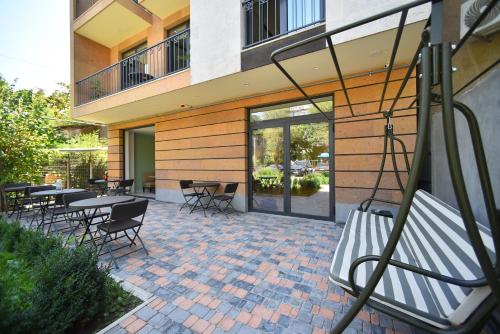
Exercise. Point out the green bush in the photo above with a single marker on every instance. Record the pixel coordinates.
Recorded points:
(46, 288)
(310, 181)
(268, 182)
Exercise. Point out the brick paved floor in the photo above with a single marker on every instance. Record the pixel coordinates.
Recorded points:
(252, 273)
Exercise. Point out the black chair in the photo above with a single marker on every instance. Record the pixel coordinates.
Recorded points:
(32, 204)
(124, 217)
(190, 197)
(98, 185)
(13, 199)
(76, 218)
(124, 187)
(223, 201)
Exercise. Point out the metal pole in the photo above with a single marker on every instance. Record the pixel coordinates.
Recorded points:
(90, 165)
(68, 171)
(399, 222)
(456, 173)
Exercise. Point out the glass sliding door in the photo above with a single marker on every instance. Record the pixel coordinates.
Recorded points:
(267, 169)
(309, 172)
(291, 159)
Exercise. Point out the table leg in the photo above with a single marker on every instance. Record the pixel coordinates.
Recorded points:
(88, 222)
(198, 200)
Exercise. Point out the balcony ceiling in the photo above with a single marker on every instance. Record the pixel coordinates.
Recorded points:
(357, 56)
(164, 8)
(110, 22)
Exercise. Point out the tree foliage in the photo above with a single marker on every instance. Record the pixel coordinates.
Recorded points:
(27, 130)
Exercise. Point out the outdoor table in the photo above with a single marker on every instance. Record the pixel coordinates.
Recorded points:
(202, 190)
(47, 194)
(96, 204)
(17, 190)
(114, 182)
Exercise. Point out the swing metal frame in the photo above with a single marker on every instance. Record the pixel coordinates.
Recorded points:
(434, 57)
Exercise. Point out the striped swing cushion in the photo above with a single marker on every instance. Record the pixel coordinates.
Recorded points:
(434, 238)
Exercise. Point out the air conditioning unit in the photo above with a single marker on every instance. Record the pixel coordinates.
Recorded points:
(470, 12)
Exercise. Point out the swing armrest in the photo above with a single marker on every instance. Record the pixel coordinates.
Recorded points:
(451, 280)
(373, 199)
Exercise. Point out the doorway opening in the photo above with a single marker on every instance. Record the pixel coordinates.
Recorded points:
(291, 165)
(140, 160)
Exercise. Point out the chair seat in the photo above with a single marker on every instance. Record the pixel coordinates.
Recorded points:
(62, 210)
(81, 217)
(118, 226)
(434, 238)
(222, 197)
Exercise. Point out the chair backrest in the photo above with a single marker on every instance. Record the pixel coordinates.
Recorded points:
(33, 189)
(129, 210)
(126, 183)
(231, 188)
(185, 184)
(73, 197)
(149, 177)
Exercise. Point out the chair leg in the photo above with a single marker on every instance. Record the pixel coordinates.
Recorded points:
(140, 240)
(105, 244)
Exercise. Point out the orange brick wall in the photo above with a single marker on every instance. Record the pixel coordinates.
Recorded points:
(210, 143)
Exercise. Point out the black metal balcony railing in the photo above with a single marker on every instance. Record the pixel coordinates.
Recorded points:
(268, 19)
(81, 6)
(167, 57)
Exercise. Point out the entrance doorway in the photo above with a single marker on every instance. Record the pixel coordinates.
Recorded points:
(140, 160)
(291, 160)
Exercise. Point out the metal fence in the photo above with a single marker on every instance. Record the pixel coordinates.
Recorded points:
(167, 57)
(74, 171)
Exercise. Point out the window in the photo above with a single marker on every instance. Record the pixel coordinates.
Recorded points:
(134, 66)
(266, 19)
(291, 109)
(134, 50)
(178, 48)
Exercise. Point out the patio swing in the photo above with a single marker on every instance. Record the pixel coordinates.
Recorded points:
(433, 266)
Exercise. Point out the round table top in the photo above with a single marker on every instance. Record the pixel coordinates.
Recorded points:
(100, 202)
(55, 192)
(204, 184)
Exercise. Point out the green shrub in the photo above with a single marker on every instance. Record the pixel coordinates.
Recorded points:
(310, 181)
(46, 288)
(268, 182)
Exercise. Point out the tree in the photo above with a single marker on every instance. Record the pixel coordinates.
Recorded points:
(27, 131)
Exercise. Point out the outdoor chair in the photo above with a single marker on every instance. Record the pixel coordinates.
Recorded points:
(100, 187)
(32, 204)
(188, 193)
(124, 218)
(55, 211)
(148, 182)
(223, 201)
(13, 199)
(124, 187)
(76, 218)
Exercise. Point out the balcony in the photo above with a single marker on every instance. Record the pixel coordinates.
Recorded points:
(109, 22)
(167, 57)
(81, 6)
(269, 19)
(164, 8)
